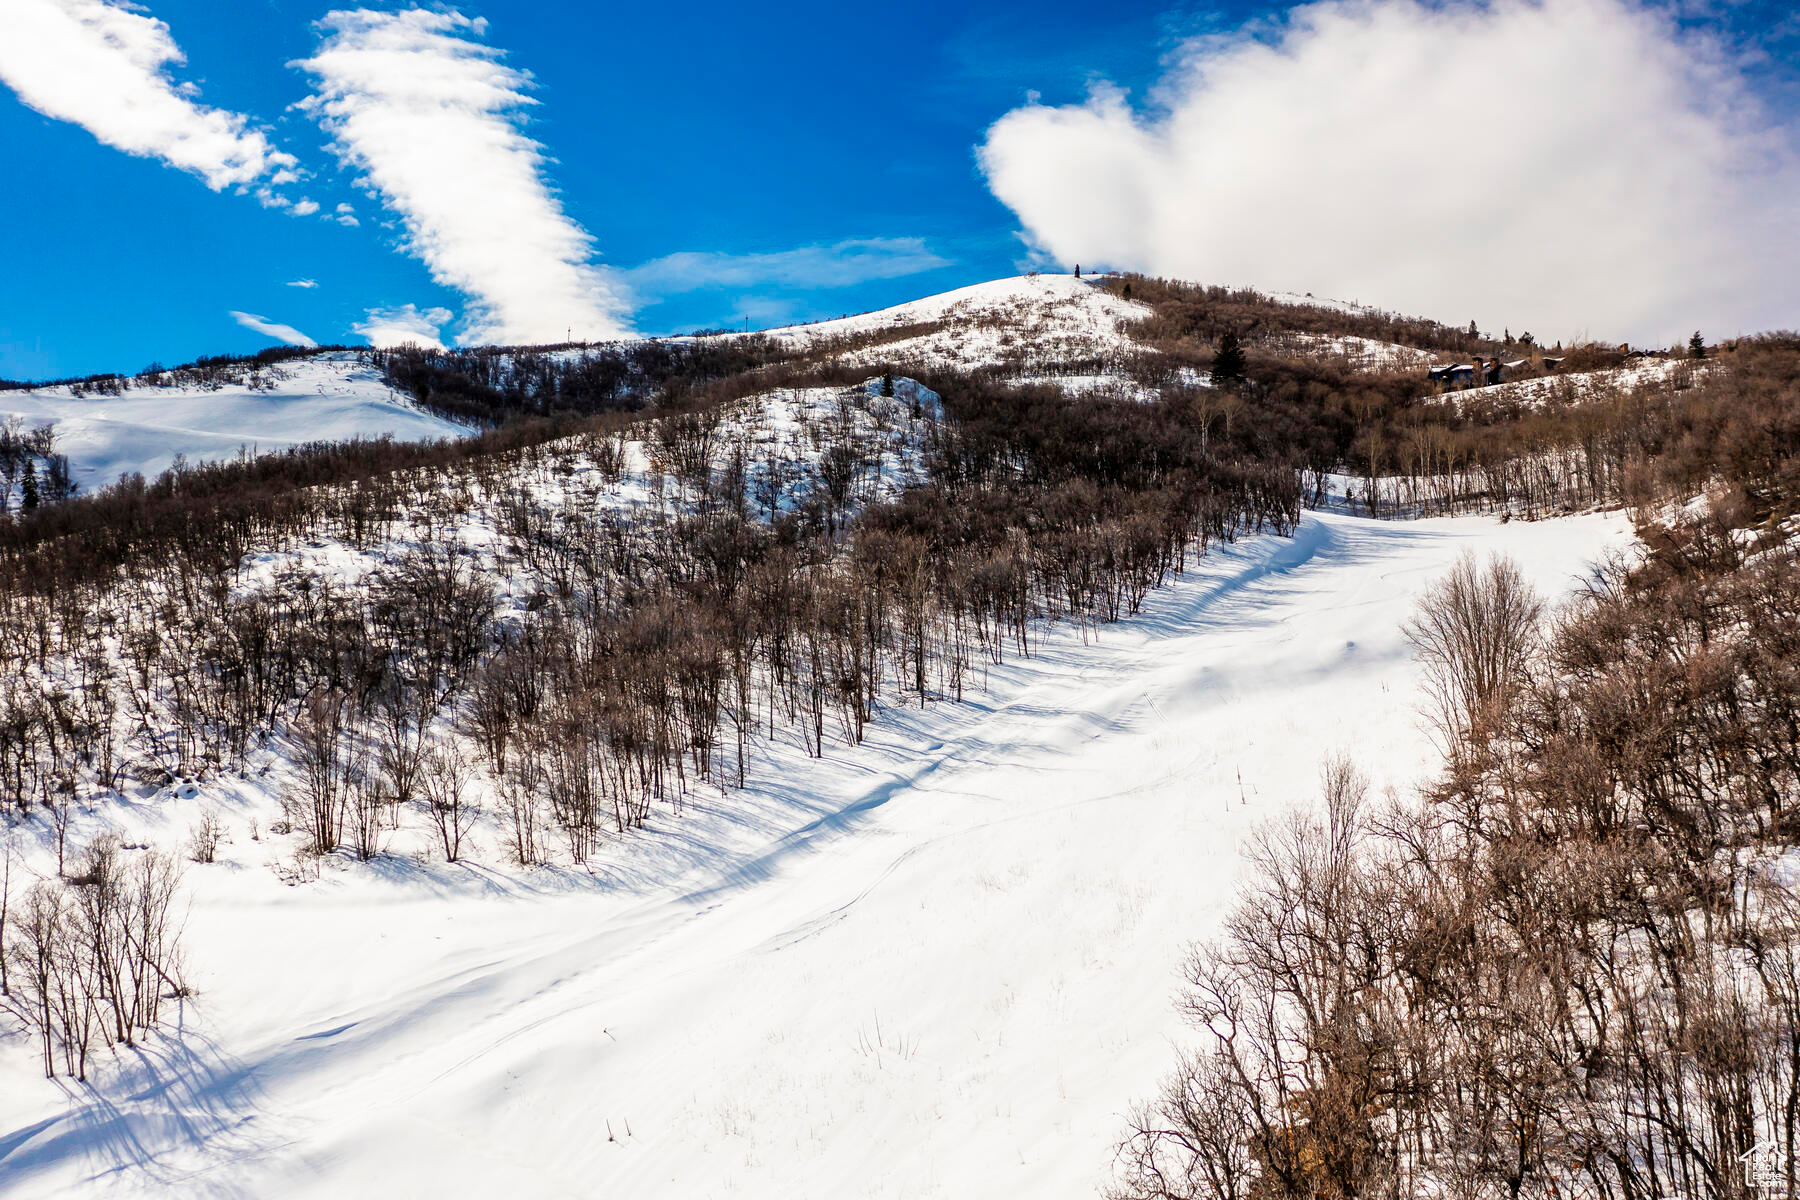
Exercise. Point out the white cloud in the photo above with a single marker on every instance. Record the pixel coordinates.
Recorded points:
(104, 66)
(1569, 165)
(432, 120)
(305, 207)
(839, 265)
(303, 283)
(404, 325)
(274, 329)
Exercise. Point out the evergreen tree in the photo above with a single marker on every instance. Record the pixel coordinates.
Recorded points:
(1078, 270)
(28, 490)
(1474, 332)
(887, 381)
(1228, 363)
(1696, 346)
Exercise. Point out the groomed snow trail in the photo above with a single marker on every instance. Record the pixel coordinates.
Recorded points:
(941, 964)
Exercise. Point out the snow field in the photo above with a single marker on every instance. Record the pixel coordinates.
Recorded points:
(325, 397)
(939, 964)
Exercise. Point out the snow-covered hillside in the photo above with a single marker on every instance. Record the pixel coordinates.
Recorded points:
(1572, 386)
(330, 396)
(1030, 323)
(940, 964)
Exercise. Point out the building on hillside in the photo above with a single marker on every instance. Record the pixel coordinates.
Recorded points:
(1481, 372)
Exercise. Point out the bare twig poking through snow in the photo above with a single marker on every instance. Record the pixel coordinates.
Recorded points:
(878, 1042)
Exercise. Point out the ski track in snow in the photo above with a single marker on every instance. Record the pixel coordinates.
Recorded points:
(940, 964)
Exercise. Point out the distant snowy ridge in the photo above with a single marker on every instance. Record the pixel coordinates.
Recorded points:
(331, 396)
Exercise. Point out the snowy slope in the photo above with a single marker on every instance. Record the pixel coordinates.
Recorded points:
(938, 965)
(1363, 353)
(1650, 373)
(1029, 323)
(325, 397)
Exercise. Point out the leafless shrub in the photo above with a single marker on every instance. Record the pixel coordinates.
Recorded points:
(446, 786)
(328, 762)
(1474, 632)
(96, 955)
(203, 842)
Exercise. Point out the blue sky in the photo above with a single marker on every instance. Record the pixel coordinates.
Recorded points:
(735, 165)
(715, 128)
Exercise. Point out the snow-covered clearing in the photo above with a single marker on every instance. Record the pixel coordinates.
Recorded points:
(325, 397)
(1311, 301)
(940, 964)
(1573, 386)
(1365, 354)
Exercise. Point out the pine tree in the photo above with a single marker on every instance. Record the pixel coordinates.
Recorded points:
(887, 381)
(1474, 332)
(1228, 363)
(28, 490)
(1078, 270)
(1696, 346)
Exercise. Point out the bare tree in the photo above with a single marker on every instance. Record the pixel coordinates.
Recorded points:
(446, 785)
(1474, 632)
(328, 769)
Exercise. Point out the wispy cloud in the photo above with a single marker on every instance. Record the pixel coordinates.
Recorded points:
(274, 329)
(104, 66)
(303, 283)
(432, 119)
(1573, 164)
(843, 264)
(405, 325)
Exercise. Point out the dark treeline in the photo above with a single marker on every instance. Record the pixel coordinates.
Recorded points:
(1186, 312)
(1574, 970)
(493, 384)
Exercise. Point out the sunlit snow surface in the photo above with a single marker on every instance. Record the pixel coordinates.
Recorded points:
(326, 397)
(941, 964)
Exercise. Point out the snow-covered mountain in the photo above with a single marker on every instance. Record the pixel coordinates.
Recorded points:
(929, 956)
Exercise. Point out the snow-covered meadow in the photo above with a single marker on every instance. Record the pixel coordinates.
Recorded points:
(938, 964)
(326, 397)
